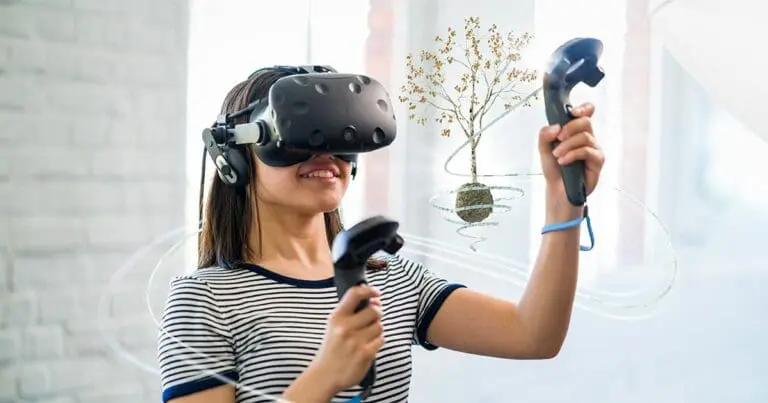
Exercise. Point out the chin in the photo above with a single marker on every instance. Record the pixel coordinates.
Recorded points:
(319, 204)
(329, 206)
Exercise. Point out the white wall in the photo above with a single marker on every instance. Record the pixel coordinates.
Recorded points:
(91, 167)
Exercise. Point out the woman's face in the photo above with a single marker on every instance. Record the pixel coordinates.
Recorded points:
(312, 187)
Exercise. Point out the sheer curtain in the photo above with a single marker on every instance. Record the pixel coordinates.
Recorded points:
(229, 39)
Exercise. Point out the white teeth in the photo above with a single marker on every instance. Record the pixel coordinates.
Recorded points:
(320, 174)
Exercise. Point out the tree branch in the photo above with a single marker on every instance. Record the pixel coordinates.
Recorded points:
(461, 63)
(486, 77)
(456, 106)
(490, 95)
(453, 109)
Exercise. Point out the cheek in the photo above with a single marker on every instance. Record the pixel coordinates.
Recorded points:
(274, 184)
(347, 170)
(347, 177)
(277, 183)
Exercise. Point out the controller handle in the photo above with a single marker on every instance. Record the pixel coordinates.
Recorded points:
(351, 250)
(572, 63)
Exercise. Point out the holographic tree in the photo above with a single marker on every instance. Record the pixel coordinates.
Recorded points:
(457, 85)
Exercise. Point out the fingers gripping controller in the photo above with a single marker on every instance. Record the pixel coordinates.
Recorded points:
(572, 63)
(351, 250)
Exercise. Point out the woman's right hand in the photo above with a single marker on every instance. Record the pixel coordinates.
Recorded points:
(352, 339)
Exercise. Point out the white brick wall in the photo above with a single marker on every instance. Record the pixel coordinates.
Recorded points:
(92, 148)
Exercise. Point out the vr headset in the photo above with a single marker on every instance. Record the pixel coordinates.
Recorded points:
(313, 110)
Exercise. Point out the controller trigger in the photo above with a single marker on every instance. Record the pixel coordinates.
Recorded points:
(394, 245)
(594, 76)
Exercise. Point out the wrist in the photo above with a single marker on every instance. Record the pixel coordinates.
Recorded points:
(322, 379)
(559, 209)
(313, 385)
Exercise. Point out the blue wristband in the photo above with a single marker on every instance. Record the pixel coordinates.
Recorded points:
(571, 224)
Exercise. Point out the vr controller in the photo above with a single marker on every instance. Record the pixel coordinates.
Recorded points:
(350, 251)
(312, 110)
(572, 63)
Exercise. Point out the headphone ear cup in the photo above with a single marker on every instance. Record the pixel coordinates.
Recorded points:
(238, 163)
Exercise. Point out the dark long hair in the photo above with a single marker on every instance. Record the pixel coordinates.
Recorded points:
(229, 211)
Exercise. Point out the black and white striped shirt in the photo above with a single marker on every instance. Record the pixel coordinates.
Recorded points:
(263, 329)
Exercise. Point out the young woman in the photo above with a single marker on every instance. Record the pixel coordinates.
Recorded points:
(262, 309)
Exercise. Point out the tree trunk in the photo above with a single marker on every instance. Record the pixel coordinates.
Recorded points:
(473, 161)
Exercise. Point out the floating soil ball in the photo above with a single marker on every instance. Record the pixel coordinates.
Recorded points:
(473, 202)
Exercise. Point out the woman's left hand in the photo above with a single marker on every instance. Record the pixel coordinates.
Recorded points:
(577, 142)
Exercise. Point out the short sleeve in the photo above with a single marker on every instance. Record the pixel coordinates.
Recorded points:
(195, 348)
(432, 291)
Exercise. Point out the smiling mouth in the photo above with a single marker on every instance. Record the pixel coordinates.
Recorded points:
(320, 174)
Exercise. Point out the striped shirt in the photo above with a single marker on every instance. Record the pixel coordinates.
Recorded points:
(262, 329)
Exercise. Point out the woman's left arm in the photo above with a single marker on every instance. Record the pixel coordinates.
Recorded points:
(535, 327)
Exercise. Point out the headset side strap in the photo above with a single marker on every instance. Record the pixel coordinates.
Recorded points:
(218, 156)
